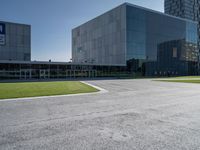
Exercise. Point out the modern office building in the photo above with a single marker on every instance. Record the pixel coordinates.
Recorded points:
(135, 37)
(15, 42)
(188, 9)
(128, 40)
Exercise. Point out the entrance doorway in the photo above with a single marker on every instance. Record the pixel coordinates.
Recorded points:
(25, 74)
(44, 74)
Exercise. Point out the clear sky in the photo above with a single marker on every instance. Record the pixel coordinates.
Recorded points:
(52, 20)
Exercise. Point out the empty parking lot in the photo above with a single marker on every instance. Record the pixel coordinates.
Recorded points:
(132, 114)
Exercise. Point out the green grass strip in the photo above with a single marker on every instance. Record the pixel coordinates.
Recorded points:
(182, 81)
(35, 89)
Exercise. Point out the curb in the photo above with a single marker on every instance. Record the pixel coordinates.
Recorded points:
(101, 90)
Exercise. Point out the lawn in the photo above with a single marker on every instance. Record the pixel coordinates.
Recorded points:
(34, 89)
(184, 79)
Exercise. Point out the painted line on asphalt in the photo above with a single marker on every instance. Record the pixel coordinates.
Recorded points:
(101, 90)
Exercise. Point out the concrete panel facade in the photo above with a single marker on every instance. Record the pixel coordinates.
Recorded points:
(15, 42)
(101, 40)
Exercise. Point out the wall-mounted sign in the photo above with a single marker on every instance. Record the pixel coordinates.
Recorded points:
(2, 34)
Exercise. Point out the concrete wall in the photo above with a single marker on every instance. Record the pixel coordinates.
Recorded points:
(101, 40)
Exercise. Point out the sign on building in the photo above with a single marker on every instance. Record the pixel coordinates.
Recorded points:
(2, 34)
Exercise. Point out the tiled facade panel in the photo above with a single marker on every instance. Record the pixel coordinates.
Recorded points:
(101, 40)
(17, 42)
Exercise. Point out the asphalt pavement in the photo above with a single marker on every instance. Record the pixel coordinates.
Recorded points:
(133, 114)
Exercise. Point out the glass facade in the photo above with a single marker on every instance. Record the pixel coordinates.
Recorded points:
(50, 70)
(151, 39)
(188, 9)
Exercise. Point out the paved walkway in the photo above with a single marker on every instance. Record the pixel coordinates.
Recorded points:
(134, 114)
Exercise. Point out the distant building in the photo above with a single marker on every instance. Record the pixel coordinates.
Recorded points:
(15, 42)
(130, 35)
(188, 9)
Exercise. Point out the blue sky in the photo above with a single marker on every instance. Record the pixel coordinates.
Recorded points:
(52, 20)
